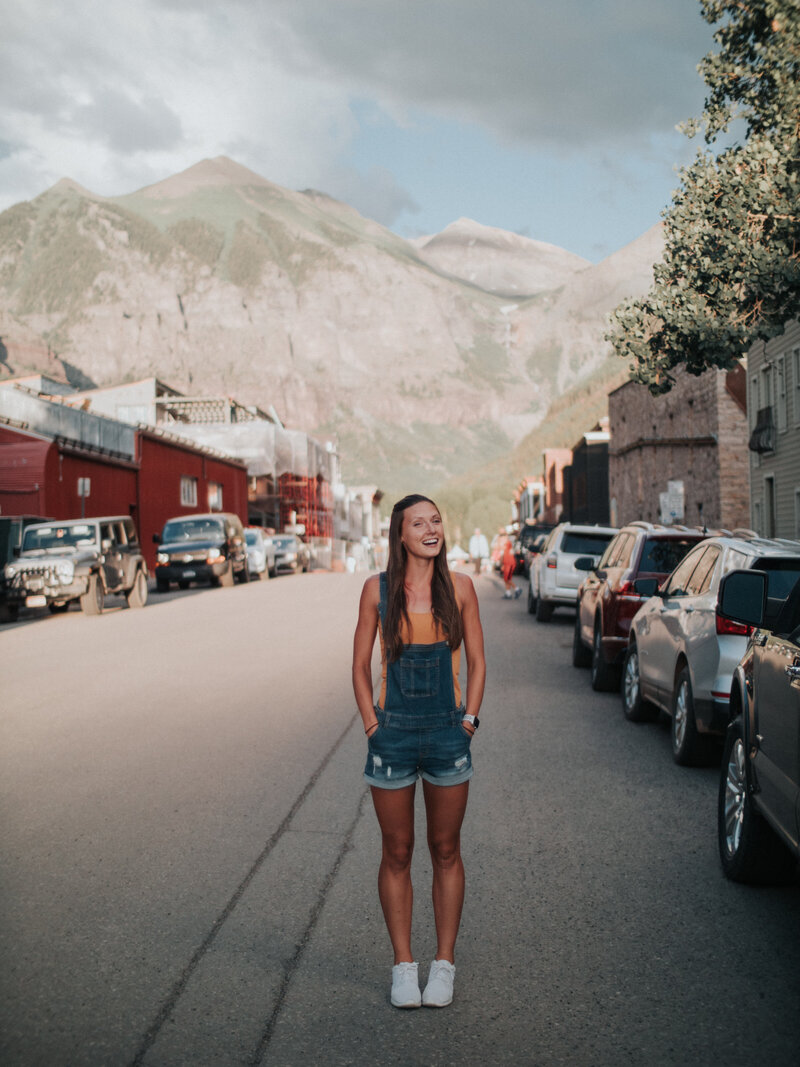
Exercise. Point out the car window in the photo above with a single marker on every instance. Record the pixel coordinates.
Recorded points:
(782, 576)
(585, 544)
(623, 557)
(611, 549)
(193, 530)
(700, 580)
(107, 532)
(679, 581)
(662, 555)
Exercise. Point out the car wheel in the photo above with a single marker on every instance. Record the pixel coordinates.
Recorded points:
(184, 583)
(162, 585)
(9, 612)
(605, 677)
(226, 579)
(634, 706)
(749, 849)
(58, 609)
(93, 599)
(689, 748)
(581, 656)
(544, 611)
(137, 594)
(243, 575)
(531, 600)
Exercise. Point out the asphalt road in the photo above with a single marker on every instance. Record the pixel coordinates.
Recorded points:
(189, 857)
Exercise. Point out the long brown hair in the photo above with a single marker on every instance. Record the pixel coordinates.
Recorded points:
(443, 596)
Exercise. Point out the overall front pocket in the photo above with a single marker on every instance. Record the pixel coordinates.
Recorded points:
(419, 677)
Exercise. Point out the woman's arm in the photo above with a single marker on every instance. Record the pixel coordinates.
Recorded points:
(363, 643)
(473, 645)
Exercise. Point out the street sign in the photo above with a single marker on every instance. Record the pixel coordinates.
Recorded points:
(84, 487)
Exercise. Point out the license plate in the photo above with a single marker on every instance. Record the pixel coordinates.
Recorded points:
(188, 574)
(35, 601)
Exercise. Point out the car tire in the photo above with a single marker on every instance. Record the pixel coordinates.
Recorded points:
(244, 575)
(162, 585)
(544, 610)
(9, 613)
(689, 748)
(605, 677)
(93, 599)
(581, 655)
(749, 849)
(634, 706)
(58, 609)
(184, 583)
(531, 600)
(137, 594)
(226, 579)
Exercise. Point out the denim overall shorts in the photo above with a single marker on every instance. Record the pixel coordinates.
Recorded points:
(419, 730)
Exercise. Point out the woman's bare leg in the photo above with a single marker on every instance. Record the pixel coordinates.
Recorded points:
(395, 811)
(445, 806)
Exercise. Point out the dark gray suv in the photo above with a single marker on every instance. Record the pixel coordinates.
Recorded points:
(81, 560)
(201, 548)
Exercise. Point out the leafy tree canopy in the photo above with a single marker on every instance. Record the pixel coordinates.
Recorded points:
(731, 267)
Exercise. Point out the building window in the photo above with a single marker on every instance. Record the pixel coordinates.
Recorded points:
(754, 402)
(214, 496)
(780, 393)
(188, 491)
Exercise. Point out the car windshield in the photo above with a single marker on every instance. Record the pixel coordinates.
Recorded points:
(283, 542)
(663, 556)
(74, 535)
(251, 537)
(193, 530)
(585, 544)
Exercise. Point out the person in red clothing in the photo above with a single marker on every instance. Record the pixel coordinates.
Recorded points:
(509, 564)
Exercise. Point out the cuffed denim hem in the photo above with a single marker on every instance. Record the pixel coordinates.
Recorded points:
(387, 783)
(450, 779)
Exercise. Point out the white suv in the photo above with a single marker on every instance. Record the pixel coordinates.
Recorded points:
(682, 653)
(554, 580)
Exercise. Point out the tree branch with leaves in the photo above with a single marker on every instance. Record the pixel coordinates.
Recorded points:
(731, 268)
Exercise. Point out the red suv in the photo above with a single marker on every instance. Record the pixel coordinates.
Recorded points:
(609, 598)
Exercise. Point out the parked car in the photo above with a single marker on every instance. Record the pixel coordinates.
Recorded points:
(759, 791)
(609, 596)
(81, 560)
(553, 578)
(12, 528)
(201, 548)
(291, 554)
(260, 552)
(529, 534)
(682, 652)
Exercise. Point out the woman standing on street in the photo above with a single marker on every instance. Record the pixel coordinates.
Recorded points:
(419, 728)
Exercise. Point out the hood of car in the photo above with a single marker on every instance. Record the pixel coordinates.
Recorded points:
(185, 548)
(42, 558)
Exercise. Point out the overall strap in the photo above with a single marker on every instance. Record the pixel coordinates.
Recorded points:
(384, 588)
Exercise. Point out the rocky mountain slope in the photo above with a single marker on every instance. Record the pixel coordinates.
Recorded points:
(417, 357)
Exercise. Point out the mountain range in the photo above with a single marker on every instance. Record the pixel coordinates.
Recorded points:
(422, 358)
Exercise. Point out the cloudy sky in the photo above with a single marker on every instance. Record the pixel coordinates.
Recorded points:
(553, 119)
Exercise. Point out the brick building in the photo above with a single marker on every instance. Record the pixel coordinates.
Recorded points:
(694, 437)
(585, 496)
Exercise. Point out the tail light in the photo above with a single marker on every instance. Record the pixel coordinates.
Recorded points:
(736, 629)
(627, 591)
(551, 563)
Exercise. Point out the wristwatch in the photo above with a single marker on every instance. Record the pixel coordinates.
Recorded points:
(473, 720)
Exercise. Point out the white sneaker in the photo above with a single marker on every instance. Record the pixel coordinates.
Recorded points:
(439, 990)
(405, 986)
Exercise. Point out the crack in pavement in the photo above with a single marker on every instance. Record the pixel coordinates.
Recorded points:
(177, 991)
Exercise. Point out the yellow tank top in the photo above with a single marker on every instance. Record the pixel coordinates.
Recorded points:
(424, 631)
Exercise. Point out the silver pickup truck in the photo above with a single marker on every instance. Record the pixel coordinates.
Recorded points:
(81, 560)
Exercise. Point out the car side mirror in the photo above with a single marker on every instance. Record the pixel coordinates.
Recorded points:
(105, 544)
(156, 539)
(646, 587)
(16, 550)
(584, 563)
(743, 597)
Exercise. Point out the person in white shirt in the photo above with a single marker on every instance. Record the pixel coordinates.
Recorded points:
(478, 549)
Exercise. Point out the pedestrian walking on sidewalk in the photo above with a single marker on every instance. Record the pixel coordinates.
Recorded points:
(478, 549)
(509, 565)
(419, 728)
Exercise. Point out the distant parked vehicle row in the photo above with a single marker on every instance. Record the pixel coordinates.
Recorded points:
(261, 554)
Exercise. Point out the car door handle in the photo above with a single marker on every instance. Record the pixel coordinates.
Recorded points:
(793, 672)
